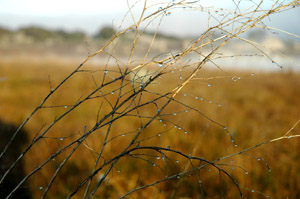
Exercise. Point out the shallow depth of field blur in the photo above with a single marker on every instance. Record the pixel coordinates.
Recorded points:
(237, 101)
(254, 108)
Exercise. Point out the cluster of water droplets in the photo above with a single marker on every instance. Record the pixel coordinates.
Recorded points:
(202, 99)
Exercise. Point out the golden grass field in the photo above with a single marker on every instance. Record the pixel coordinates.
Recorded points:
(254, 109)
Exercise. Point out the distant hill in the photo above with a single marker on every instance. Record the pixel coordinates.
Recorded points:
(40, 42)
(63, 43)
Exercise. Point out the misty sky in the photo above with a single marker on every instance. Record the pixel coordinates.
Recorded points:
(91, 15)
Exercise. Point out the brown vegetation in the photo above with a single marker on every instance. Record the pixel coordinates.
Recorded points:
(254, 108)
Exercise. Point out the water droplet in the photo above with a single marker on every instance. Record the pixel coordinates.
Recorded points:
(200, 181)
(53, 159)
(267, 196)
(184, 94)
(177, 161)
(154, 165)
(252, 191)
(269, 170)
(235, 145)
(258, 159)
(186, 111)
(159, 64)
(159, 135)
(209, 170)
(168, 14)
(201, 99)
(118, 171)
(219, 105)
(186, 132)
(180, 77)
(178, 177)
(61, 139)
(112, 92)
(196, 98)
(158, 157)
(175, 113)
(225, 127)
(190, 154)
(209, 85)
(40, 188)
(165, 125)
(209, 102)
(123, 135)
(252, 74)
(246, 173)
(158, 110)
(179, 128)
(105, 71)
(289, 137)
(100, 92)
(65, 106)
(160, 120)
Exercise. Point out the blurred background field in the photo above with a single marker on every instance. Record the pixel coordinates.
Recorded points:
(245, 93)
(254, 108)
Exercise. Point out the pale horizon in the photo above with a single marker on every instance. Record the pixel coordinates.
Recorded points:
(89, 16)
